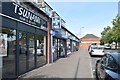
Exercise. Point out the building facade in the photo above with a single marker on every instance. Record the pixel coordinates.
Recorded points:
(24, 38)
(24, 28)
(88, 40)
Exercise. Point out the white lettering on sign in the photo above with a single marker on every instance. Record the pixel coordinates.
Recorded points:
(26, 14)
(56, 27)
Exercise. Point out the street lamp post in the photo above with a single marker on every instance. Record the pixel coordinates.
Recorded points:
(81, 31)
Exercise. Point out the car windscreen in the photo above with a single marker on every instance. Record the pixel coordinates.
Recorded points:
(94, 47)
(97, 47)
(100, 47)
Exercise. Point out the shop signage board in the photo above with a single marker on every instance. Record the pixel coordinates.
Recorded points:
(21, 13)
(56, 23)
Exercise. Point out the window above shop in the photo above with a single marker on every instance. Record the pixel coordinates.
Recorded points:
(63, 32)
(44, 7)
(63, 22)
(55, 14)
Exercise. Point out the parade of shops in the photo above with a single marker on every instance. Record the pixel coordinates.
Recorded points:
(29, 39)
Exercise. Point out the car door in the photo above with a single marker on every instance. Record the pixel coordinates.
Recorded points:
(112, 68)
(102, 68)
(108, 67)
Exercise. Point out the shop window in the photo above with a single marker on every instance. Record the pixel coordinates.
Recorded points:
(8, 50)
(68, 46)
(62, 48)
(58, 48)
(41, 55)
(55, 49)
(31, 51)
(44, 23)
(22, 52)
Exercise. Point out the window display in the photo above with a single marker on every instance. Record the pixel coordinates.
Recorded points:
(41, 55)
(3, 44)
(8, 45)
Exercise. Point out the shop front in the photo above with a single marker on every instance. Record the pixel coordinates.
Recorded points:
(58, 38)
(23, 39)
(75, 46)
(68, 47)
(59, 46)
(72, 43)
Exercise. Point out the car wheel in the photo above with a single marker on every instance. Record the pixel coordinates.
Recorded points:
(91, 54)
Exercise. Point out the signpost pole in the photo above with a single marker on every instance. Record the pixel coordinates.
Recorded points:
(56, 25)
(51, 54)
(48, 52)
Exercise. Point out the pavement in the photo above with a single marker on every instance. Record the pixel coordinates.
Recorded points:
(76, 65)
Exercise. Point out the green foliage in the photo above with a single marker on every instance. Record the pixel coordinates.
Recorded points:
(116, 28)
(107, 35)
(111, 34)
(8, 31)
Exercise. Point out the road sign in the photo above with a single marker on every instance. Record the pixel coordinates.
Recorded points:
(56, 23)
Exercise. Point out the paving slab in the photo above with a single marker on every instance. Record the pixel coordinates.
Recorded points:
(76, 65)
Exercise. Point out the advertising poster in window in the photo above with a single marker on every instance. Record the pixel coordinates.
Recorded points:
(3, 44)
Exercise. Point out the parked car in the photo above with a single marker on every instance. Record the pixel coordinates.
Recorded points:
(40, 50)
(96, 50)
(107, 47)
(108, 67)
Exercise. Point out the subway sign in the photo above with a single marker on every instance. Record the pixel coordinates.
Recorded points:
(19, 12)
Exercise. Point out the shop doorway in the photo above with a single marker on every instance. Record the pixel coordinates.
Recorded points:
(62, 47)
(58, 48)
(26, 52)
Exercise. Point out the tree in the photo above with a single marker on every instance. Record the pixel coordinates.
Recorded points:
(116, 29)
(105, 30)
(109, 34)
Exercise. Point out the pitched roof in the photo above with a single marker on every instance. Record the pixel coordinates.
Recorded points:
(90, 36)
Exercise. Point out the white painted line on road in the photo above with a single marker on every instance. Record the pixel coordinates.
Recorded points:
(91, 67)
